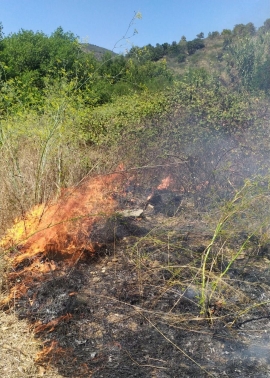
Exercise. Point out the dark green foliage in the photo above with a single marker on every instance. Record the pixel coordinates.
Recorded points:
(265, 28)
(27, 51)
(227, 36)
(193, 46)
(181, 57)
(250, 29)
(249, 55)
(159, 52)
(173, 50)
(200, 35)
(241, 30)
(226, 33)
(213, 35)
(1, 32)
(266, 25)
(58, 98)
(165, 47)
(112, 68)
(32, 62)
(261, 78)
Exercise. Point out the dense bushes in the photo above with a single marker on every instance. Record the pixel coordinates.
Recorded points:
(31, 62)
(174, 50)
(248, 53)
(74, 114)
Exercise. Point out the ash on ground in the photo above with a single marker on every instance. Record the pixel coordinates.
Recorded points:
(134, 308)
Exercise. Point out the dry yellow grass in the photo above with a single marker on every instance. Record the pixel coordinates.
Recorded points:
(18, 350)
(18, 346)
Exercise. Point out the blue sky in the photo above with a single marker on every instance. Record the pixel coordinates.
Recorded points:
(104, 22)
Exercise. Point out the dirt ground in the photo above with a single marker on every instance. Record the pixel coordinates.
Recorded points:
(133, 308)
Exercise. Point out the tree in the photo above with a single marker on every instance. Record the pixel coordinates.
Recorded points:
(64, 50)
(250, 29)
(1, 37)
(266, 26)
(158, 52)
(241, 30)
(112, 67)
(181, 58)
(200, 35)
(213, 35)
(165, 47)
(226, 33)
(193, 46)
(1, 31)
(27, 51)
(174, 48)
(261, 79)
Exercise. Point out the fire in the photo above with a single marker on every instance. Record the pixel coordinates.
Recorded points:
(50, 239)
(53, 237)
(52, 352)
(55, 354)
(165, 183)
(49, 327)
(66, 224)
(53, 232)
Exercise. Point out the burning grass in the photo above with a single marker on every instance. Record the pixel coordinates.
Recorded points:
(50, 239)
(52, 233)
(176, 276)
(66, 224)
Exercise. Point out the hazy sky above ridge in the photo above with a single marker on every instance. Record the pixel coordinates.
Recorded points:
(104, 22)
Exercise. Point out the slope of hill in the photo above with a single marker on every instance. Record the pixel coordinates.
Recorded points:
(209, 57)
(97, 50)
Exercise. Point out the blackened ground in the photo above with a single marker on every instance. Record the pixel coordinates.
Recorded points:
(132, 310)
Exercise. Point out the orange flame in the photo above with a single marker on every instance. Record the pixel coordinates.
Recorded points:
(49, 327)
(65, 225)
(53, 351)
(54, 354)
(165, 183)
(53, 232)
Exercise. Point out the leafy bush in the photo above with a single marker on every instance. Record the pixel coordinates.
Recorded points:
(193, 46)
(181, 58)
